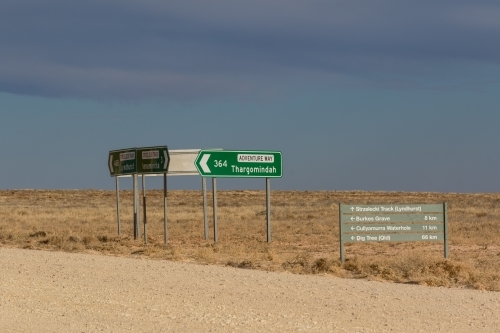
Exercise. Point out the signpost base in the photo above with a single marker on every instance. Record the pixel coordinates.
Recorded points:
(165, 231)
(214, 189)
(205, 215)
(268, 208)
(118, 205)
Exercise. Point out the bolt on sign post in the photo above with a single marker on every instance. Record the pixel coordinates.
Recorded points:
(123, 162)
(182, 164)
(151, 160)
(240, 164)
(393, 223)
(134, 162)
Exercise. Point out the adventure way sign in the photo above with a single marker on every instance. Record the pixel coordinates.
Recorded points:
(244, 164)
(138, 160)
(240, 164)
(393, 223)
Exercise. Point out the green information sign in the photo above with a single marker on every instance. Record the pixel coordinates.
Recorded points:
(152, 160)
(138, 160)
(241, 164)
(122, 162)
(393, 223)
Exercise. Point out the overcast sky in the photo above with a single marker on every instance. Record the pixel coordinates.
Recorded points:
(358, 95)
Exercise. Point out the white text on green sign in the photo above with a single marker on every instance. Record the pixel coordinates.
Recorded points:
(245, 164)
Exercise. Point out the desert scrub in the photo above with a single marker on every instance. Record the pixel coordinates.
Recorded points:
(304, 232)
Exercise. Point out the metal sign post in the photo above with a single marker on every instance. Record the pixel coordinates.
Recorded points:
(340, 235)
(445, 231)
(214, 197)
(205, 217)
(134, 185)
(268, 208)
(118, 205)
(144, 209)
(165, 233)
(138, 203)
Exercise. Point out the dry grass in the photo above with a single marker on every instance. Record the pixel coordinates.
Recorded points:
(304, 232)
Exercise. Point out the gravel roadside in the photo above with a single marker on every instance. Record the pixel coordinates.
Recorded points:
(43, 291)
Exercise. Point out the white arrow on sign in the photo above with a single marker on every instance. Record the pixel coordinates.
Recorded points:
(352, 228)
(352, 218)
(166, 159)
(353, 238)
(203, 163)
(352, 208)
(110, 163)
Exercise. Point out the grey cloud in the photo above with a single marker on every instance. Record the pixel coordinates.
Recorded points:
(191, 49)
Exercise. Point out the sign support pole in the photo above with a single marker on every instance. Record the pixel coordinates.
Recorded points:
(118, 204)
(445, 226)
(144, 209)
(340, 235)
(134, 185)
(268, 208)
(165, 233)
(205, 217)
(138, 207)
(214, 190)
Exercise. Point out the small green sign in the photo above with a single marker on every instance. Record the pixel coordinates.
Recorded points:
(240, 164)
(122, 162)
(138, 160)
(152, 160)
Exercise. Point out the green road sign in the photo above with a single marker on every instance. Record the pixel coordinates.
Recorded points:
(138, 160)
(242, 164)
(389, 218)
(152, 159)
(360, 238)
(393, 223)
(383, 209)
(383, 228)
(122, 162)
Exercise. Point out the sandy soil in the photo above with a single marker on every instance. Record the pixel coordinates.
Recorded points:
(44, 291)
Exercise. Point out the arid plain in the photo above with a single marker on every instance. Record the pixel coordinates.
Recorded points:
(305, 233)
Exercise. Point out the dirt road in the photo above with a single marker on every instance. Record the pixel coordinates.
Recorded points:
(63, 292)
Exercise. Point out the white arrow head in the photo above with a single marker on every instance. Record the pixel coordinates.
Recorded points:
(352, 218)
(110, 164)
(203, 163)
(166, 160)
(352, 208)
(352, 228)
(352, 238)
